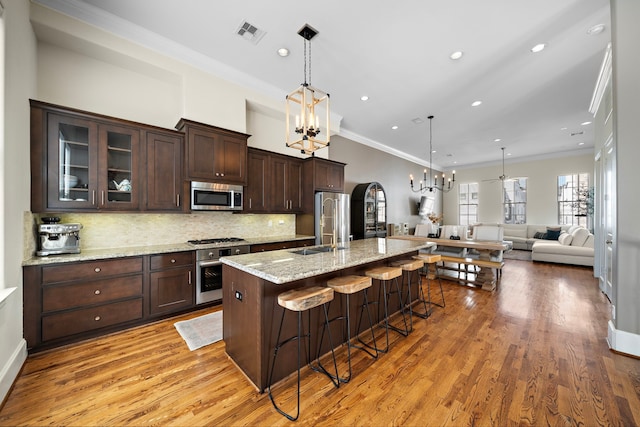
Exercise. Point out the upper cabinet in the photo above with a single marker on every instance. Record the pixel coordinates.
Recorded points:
(87, 162)
(275, 183)
(214, 154)
(327, 175)
(164, 171)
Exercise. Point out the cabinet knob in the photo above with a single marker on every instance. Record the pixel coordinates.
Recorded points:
(173, 261)
(97, 292)
(97, 318)
(97, 270)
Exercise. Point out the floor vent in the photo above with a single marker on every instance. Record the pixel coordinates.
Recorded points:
(250, 32)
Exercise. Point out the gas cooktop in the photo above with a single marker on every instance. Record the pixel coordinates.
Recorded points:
(215, 240)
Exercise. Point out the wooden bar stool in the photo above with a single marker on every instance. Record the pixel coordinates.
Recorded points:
(300, 300)
(349, 285)
(384, 275)
(410, 266)
(430, 260)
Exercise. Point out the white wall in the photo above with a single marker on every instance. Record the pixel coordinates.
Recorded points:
(18, 86)
(541, 187)
(626, 92)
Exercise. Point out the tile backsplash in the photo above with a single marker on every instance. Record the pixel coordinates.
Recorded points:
(117, 230)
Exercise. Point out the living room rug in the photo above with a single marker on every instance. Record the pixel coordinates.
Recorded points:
(517, 254)
(201, 331)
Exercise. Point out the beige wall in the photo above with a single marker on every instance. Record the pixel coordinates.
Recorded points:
(541, 187)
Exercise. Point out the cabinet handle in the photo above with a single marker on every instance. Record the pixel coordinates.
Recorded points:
(93, 197)
(173, 261)
(189, 277)
(178, 200)
(97, 292)
(217, 174)
(102, 198)
(249, 202)
(97, 270)
(221, 174)
(97, 318)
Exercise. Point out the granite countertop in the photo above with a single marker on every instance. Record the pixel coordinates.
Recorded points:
(285, 265)
(97, 254)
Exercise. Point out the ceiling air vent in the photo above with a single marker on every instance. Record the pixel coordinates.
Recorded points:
(250, 32)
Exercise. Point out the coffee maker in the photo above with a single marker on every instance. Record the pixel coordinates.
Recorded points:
(56, 239)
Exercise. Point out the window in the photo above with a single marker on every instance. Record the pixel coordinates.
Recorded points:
(515, 200)
(468, 204)
(575, 199)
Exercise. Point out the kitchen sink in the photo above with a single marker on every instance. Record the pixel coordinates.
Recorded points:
(313, 251)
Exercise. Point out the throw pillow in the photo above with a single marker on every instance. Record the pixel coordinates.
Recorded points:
(540, 235)
(565, 239)
(553, 233)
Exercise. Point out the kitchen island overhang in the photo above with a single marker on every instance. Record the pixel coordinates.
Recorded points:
(252, 283)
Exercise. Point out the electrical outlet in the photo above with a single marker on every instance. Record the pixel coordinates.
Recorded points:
(281, 222)
(270, 223)
(239, 295)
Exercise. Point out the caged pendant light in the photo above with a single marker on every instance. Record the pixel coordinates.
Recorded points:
(309, 106)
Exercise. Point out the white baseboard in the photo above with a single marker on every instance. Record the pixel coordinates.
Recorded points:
(10, 371)
(622, 341)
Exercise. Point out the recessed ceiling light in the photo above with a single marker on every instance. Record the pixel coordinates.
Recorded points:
(364, 98)
(476, 103)
(497, 140)
(433, 151)
(456, 55)
(563, 128)
(283, 51)
(538, 48)
(508, 154)
(394, 127)
(585, 123)
(580, 143)
(595, 30)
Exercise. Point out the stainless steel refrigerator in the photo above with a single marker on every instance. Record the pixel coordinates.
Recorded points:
(333, 219)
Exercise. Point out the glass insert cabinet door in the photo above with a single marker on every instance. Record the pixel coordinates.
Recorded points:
(72, 162)
(94, 165)
(117, 166)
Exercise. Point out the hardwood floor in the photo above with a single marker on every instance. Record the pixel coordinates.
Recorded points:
(531, 353)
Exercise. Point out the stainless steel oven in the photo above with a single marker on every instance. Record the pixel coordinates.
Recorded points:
(209, 271)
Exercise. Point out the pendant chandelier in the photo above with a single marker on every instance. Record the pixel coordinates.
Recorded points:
(432, 184)
(309, 106)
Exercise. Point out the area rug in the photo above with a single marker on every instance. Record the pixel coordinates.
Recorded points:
(201, 331)
(518, 255)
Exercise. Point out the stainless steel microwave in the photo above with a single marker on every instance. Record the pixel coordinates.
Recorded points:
(206, 196)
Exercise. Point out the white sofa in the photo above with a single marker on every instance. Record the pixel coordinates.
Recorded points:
(574, 246)
(523, 235)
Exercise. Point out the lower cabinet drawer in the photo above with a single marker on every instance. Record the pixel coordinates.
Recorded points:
(87, 319)
(91, 269)
(95, 292)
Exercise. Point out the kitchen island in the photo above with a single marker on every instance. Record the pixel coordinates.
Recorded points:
(252, 283)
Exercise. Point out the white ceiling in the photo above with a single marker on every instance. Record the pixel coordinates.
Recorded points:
(397, 53)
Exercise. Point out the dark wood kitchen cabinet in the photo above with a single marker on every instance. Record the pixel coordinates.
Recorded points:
(164, 181)
(214, 154)
(326, 175)
(256, 193)
(320, 175)
(87, 162)
(71, 301)
(286, 184)
(171, 282)
(274, 184)
(82, 162)
(287, 244)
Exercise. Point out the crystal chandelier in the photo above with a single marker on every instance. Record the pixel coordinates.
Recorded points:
(310, 106)
(432, 184)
